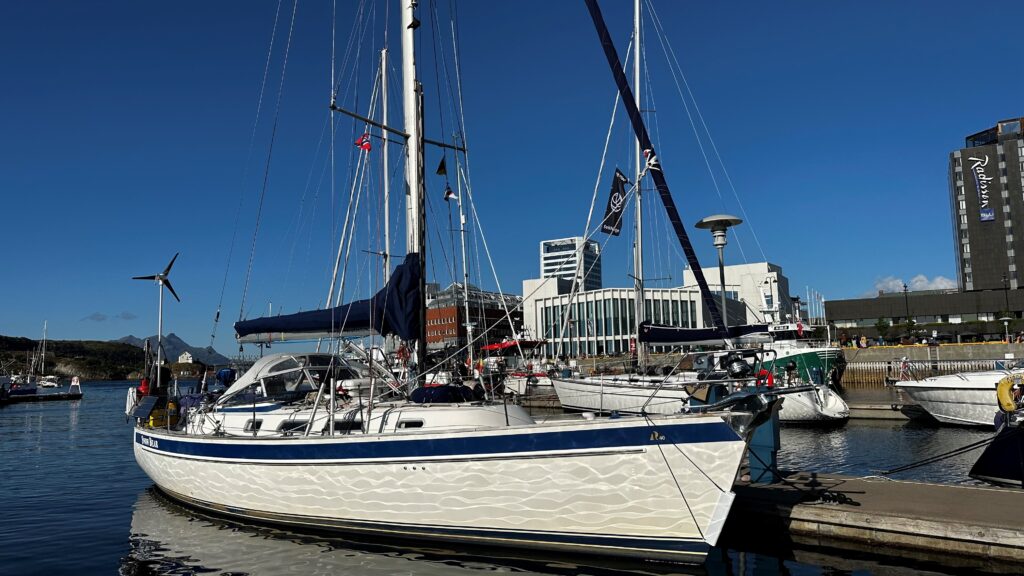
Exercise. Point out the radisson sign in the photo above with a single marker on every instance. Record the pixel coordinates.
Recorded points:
(981, 181)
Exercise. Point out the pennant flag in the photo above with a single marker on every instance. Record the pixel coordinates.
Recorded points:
(363, 143)
(612, 223)
(442, 170)
(652, 159)
(449, 194)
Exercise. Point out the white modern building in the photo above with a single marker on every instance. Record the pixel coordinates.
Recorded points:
(185, 358)
(760, 286)
(560, 259)
(603, 321)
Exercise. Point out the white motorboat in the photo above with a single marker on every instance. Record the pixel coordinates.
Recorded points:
(965, 399)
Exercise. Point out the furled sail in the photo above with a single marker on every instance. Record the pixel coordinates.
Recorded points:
(656, 334)
(395, 309)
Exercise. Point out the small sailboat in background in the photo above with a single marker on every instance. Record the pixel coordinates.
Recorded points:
(44, 380)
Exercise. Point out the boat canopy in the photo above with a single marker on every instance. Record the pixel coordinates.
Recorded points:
(660, 335)
(287, 370)
(395, 309)
(502, 346)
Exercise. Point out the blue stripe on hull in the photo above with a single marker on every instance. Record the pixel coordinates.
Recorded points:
(470, 445)
(692, 550)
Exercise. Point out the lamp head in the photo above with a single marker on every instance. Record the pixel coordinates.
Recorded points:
(719, 224)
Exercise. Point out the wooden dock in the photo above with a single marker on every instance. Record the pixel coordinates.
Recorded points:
(981, 525)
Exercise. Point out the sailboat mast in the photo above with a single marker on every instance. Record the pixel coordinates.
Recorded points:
(42, 361)
(384, 159)
(465, 269)
(638, 249)
(415, 240)
(656, 172)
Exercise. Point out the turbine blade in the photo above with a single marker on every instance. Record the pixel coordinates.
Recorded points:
(168, 269)
(143, 277)
(167, 283)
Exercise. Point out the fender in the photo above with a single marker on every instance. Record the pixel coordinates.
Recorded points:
(1004, 394)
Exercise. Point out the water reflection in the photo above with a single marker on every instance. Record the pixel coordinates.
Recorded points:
(169, 539)
(866, 447)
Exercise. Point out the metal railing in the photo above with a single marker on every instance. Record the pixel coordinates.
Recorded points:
(876, 374)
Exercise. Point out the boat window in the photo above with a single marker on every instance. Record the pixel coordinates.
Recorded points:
(284, 364)
(249, 425)
(293, 426)
(410, 424)
(287, 386)
(276, 386)
(248, 396)
(318, 360)
(342, 426)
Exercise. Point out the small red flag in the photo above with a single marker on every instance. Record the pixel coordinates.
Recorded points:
(363, 143)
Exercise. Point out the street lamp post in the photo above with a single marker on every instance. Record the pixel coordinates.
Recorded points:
(906, 305)
(1006, 327)
(719, 224)
(1006, 293)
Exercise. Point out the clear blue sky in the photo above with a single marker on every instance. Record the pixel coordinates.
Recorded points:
(125, 131)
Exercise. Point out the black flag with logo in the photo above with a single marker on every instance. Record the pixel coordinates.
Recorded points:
(612, 223)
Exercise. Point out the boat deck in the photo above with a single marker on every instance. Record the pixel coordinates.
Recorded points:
(979, 522)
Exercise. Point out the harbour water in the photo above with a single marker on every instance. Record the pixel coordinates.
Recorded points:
(73, 501)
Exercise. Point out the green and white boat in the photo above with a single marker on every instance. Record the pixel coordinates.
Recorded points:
(801, 360)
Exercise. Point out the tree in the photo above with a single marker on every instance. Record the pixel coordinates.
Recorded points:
(882, 326)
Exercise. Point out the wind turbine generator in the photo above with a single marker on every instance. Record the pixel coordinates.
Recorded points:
(161, 281)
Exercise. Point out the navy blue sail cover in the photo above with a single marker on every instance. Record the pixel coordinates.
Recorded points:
(393, 310)
(658, 334)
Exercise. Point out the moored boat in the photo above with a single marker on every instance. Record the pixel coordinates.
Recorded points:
(1002, 461)
(798, 360)
(963, 399)
(457, 469)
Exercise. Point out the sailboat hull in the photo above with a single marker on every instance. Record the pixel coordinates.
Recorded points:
(604, 395)
(632, 487)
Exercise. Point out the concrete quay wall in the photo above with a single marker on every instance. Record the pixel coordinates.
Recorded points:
(978, 524)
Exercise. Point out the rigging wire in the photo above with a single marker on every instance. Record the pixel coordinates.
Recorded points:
(270, 152)
(674, 61)
(593, 203)
(245, 172)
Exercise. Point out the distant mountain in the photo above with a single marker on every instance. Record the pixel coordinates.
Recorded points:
(174, 346)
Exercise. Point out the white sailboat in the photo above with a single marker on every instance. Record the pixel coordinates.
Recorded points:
(645, 392)
(45, 380)
(470, 472)
(795, 361)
